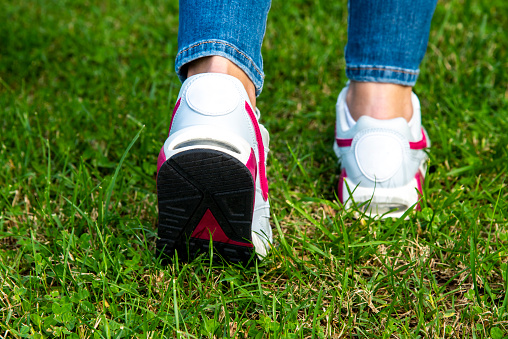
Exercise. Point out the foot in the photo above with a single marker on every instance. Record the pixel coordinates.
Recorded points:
(383, 161)
(211, 176)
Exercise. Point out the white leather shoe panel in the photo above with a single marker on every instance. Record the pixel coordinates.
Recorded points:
(233, 115)
(212, 95)
(200, 135)
(379, 155)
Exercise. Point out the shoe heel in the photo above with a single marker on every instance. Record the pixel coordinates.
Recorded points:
(205, 197)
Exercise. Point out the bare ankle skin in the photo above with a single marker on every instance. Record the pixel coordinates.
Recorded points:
(218, 64)
(379, 100)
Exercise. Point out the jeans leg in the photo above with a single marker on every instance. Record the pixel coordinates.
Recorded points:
(387, 39)
(233, 29)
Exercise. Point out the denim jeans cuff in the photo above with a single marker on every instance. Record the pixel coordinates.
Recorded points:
(224, 49)
(373, 73)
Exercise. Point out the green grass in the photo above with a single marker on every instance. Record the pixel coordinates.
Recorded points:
(80, 79)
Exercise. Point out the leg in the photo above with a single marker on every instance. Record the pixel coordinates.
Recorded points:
(386, 43)
(230, 29)
(379, 100)
(380, 142)
(211, 180)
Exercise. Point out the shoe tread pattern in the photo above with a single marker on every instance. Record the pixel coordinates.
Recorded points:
(190, 183)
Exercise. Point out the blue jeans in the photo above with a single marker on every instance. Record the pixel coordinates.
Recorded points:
(387, 39)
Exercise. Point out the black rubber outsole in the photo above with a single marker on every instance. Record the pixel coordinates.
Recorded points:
(188, 185)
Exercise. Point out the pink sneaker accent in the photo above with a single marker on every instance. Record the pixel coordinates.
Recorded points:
(259, 139)
(161, 159)
(419, 185)
(344, 142)
(208, 226)
(342, 176)
(162, 156)
(421, 144)
(419, 181)
(251, 164)
(173, 116)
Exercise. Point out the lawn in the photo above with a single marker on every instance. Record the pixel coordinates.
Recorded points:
(86, 94)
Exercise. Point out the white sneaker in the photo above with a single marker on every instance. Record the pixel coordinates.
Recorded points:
(383, 161)
(211, 174)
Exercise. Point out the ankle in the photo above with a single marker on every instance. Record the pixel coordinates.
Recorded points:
(218, 64)
(379, 100)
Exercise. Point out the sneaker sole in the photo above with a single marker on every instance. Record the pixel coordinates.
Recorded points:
(381, 202)
(205, 197)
